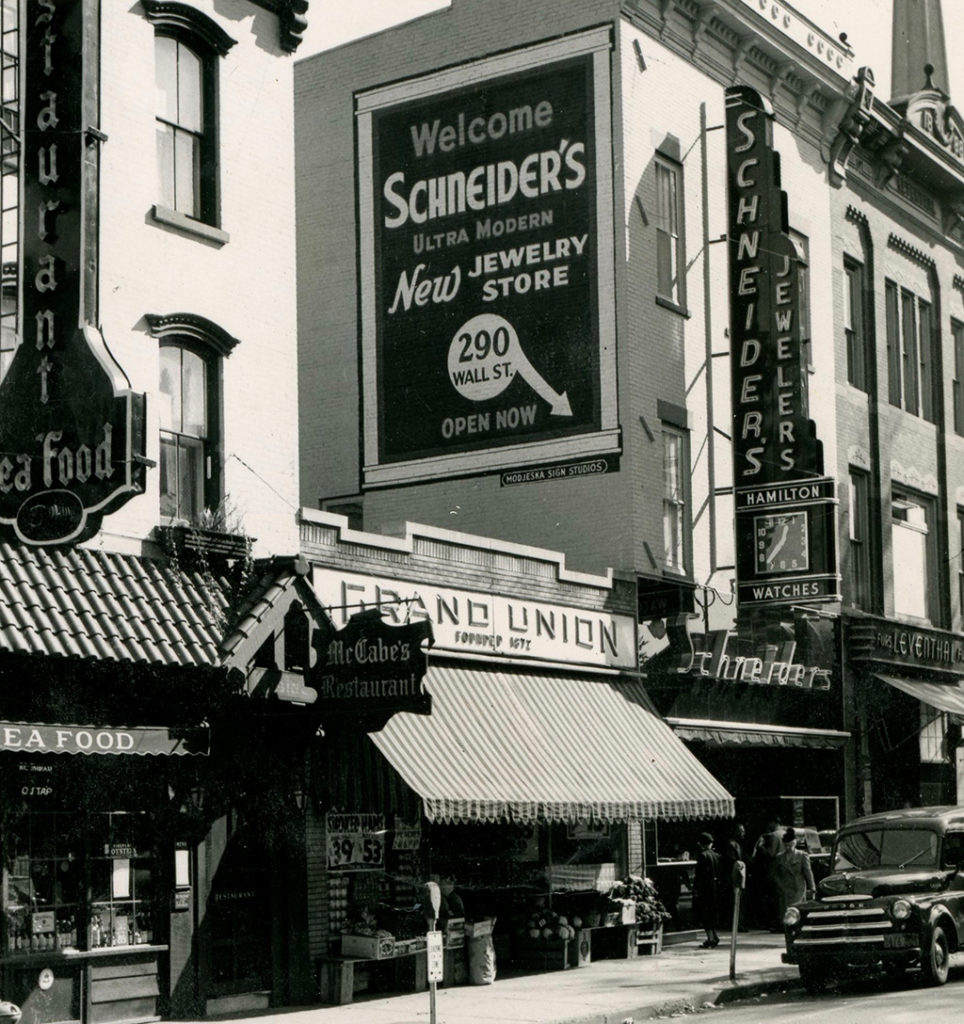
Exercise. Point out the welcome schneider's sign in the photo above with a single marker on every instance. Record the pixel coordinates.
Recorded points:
(69, 424)
(486, 241)
(784, 506)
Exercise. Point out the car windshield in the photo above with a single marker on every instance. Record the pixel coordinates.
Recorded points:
(886, 848)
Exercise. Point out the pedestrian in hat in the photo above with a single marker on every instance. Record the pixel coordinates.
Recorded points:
(794, 876)
(706, 890)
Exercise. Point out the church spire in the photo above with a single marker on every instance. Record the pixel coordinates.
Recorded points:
(918, 54)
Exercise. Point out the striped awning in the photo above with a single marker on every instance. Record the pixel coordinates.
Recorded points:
(522, 746)
(943, 696)
(751, 734)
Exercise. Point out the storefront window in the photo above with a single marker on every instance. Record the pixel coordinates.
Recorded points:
(56, 860)
(44, 890)
(913, 553)
(120, 881)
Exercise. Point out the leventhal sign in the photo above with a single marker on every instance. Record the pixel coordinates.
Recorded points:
(485, 234)
(70, 427)
(785, 539)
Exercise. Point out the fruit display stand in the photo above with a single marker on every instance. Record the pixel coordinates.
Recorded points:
(544, 943)
(372, 964)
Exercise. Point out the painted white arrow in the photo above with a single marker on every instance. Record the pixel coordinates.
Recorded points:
(485, 356)
(558, 403)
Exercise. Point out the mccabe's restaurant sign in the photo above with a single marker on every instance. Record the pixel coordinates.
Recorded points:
(70, 426)
(486, 240)
(784, 506)
(373, 667)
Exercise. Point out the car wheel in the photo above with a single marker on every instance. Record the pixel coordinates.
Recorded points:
(936, 959)
(814, 978)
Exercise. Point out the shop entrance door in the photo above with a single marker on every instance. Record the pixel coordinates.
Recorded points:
(239, 919)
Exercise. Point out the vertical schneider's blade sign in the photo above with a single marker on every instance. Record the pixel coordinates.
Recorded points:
(784, 507)
(69, 423)
(773, 438)
(486, 264)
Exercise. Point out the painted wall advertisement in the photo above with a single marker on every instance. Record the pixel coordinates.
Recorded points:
(485, 236)
(785, 533)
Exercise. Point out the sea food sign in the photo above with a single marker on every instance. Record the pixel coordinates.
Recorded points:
(784, 507)
(69, 425)
(371, 667)
(486, 240)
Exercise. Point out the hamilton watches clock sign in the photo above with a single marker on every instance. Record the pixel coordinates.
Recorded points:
(782, 543)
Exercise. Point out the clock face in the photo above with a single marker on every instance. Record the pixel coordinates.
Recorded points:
(781, 543)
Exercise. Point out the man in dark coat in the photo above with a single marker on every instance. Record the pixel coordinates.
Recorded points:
(706, 890)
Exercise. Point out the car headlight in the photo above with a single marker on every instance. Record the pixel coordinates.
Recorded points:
(900, 910)
(792, 916)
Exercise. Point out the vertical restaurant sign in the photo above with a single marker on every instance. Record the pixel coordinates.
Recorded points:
(486, 242)
(70, 427)
(784, 506)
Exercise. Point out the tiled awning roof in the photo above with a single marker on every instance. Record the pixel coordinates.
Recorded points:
(87, 604)
(93, 604)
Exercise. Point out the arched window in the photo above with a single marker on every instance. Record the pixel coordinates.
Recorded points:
(186, 459)
(189, 391)
(187, 46)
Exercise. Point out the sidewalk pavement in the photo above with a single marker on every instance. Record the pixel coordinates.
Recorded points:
(604, 992)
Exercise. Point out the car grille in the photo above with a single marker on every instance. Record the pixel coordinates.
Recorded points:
(844, 923)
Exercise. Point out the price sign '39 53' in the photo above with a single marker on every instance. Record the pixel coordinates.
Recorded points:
(356, 841)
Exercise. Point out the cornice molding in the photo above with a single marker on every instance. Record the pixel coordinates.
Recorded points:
(191, 325)
(918, 256)
(730, 41)
(292, 20)
(184, 18)
(914, 478)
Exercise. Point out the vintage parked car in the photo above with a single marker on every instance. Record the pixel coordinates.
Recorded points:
(894, 898)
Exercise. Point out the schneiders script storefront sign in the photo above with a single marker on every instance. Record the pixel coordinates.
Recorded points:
(805, 662)
(714, 656)
(473, 622)
(481, 322)
(70, 427)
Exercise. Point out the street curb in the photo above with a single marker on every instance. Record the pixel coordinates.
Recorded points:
(757, 988)
(716, 997)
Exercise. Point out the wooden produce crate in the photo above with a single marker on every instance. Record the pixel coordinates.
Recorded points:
(649, 942)
(615, 942)
(542, 955)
